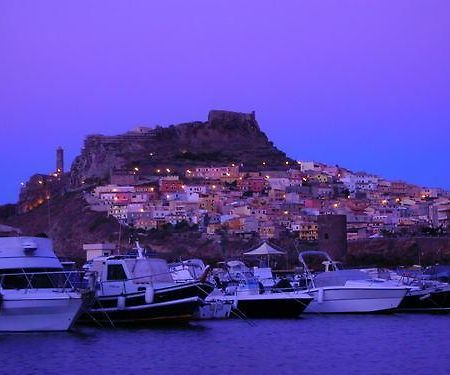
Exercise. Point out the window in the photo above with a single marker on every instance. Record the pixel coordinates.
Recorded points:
(116, 272)
(31, 278)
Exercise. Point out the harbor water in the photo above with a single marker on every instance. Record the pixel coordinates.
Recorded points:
(312, 344)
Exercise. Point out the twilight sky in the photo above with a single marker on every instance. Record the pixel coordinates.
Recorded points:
(362, 84)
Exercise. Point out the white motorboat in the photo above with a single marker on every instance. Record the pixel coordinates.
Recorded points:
(347, 291)
(35, 293)
(236, 283)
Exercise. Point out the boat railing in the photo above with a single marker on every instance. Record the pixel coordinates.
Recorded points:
(63, 281)
(417, 278)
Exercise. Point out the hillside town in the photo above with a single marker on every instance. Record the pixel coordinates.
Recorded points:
(265, 202)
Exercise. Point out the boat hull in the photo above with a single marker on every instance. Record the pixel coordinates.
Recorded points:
(336, 300)
(214, 310)
(32, 310)
(426, 300)
(152, 313)
(180, 291)
(267, 305)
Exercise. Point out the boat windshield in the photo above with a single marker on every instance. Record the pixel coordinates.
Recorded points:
(32, 278)
(144, 270)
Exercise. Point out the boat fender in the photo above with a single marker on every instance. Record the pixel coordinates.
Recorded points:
(121, 302)
(320, 295)
(426, 296)
(149, 294)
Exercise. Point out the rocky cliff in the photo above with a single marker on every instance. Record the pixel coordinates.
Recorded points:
(227, 137)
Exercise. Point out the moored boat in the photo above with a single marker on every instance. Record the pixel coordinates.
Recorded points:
(238, 285)
(426, 290)
(139, 289)
(347, 291)
(36, 294)
(191, 270)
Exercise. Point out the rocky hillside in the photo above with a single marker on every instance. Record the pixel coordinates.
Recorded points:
(68, 220)
(227, 137)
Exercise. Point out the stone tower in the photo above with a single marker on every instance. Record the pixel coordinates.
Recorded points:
(333, 235)
(59, 160)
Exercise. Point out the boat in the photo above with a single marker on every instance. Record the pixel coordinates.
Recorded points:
(36, 294)
(337, 290)
(426, 290)
(191, 270)
(136, 289)
(237, 284)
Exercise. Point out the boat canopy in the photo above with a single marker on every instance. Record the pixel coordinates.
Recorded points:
(339, 277)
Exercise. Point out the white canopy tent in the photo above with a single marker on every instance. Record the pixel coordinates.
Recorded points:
(264, 249)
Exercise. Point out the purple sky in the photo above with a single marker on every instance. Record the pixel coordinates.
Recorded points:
(362, 84)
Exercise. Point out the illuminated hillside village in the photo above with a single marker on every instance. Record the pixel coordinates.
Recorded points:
(264, 202)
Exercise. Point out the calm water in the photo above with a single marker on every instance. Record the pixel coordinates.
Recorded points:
(395, 344)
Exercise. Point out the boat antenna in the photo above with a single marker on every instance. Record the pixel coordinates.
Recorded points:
(120, 236)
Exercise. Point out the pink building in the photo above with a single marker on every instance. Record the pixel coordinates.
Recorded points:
(214, 172)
